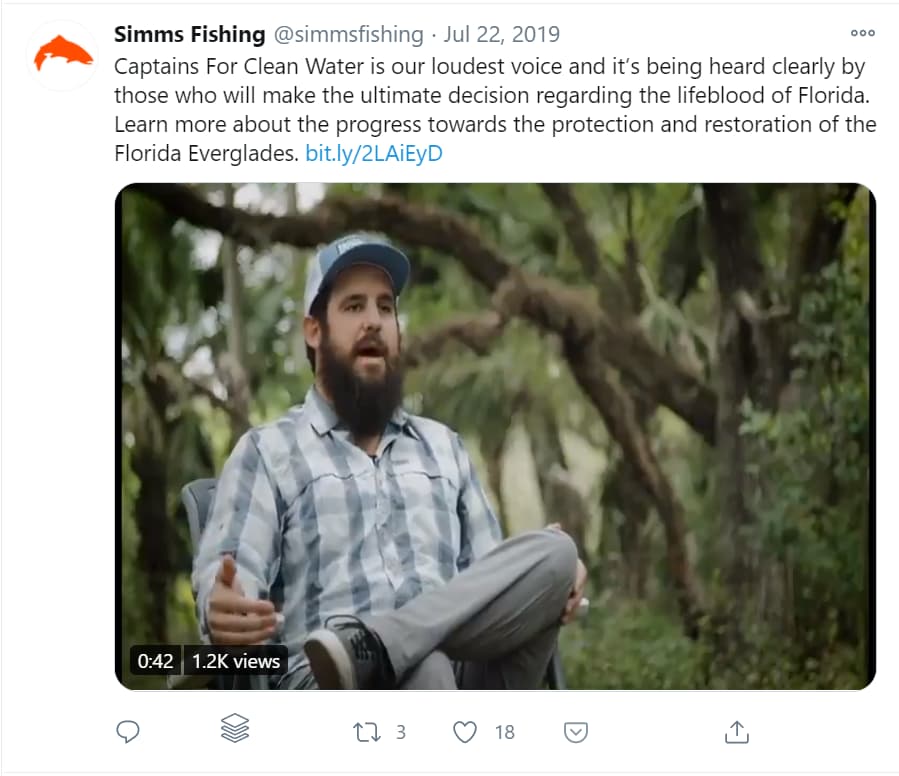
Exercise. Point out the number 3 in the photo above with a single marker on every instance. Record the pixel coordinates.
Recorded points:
(400, 732)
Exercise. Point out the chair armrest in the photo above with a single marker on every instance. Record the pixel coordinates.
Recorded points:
(199, 682)
(188, 682)
(555, 676)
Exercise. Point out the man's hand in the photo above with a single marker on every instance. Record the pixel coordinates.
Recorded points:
(577, 593)
(233, 618)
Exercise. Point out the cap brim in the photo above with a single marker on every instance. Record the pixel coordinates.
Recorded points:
(385, 257)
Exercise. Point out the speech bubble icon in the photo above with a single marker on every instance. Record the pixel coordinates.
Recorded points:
(127, 729)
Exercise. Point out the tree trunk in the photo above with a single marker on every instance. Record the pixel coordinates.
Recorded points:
(624, 413)
(620, 417)
(154, 552)
(298, 338)
(562, 502)
(739, 271)
(234, 360)
(732, 485)
(623, 300)
(492, 453)
(818, 218)
(624, 492)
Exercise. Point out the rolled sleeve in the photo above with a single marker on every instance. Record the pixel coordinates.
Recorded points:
(480, 527)
(244, 523)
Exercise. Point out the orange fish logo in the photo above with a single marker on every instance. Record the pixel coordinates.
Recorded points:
(60, 47)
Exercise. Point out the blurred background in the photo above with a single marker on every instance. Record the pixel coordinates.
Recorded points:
(678, 373)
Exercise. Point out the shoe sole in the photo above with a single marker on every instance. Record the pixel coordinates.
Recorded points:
(330, 663)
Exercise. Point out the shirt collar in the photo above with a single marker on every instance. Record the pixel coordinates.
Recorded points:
(321, 414)
(324, 419)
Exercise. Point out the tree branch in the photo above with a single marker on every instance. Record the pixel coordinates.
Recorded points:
(572, 314)
(203, 390)
(175, 376)
(632, 256)
(614, 294)
(587, 350)
(825, 228)
(478, 332)
(545, 302)
(750, 311)
(619, 413)
(414, 224)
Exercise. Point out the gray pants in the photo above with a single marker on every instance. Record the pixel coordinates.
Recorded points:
(494, 626)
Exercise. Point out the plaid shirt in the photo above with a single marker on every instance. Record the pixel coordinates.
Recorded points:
(321, 528)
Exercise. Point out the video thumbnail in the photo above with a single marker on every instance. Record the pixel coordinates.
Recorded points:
(495, 436)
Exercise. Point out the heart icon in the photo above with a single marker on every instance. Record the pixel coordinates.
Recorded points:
(465, 731)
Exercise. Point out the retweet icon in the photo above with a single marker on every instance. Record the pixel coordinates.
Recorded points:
(62, 55)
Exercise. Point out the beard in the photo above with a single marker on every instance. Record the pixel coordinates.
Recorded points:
(364, 404)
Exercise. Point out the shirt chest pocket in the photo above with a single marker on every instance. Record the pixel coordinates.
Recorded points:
(424, 507)
(336, 517)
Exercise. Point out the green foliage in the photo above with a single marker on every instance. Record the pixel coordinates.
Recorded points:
(814, 512)
(632, 645)
(157, 275)
(134, 599)
(629, 646)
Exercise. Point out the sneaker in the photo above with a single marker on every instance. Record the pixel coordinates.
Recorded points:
(348, 656)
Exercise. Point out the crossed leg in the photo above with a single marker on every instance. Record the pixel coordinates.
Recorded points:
(498, 620)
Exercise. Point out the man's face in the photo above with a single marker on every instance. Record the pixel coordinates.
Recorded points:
(361, 322)
(358, 349)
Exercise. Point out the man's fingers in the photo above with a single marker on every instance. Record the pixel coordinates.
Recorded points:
(236, 623)
(567, 611)
(227, 571)
(242, 639)
(239, 605)
(228, 602)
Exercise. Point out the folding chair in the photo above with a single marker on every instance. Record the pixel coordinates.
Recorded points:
(197, 497)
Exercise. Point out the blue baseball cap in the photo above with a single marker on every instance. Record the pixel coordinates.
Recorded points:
(349, 251)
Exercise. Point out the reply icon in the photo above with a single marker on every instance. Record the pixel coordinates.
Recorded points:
(127, 729)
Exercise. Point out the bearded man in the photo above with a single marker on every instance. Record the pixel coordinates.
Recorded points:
(358, 534)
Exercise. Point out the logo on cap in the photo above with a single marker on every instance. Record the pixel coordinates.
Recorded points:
(348, 242)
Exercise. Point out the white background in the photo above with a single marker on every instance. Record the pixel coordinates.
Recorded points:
(60, 698)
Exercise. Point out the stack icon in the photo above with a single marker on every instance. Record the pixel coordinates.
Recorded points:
(235, 728)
